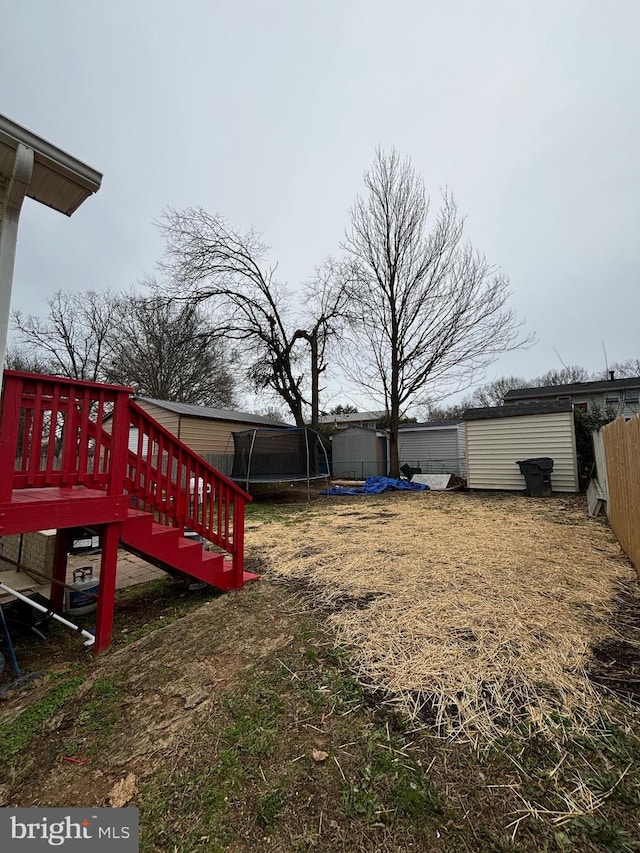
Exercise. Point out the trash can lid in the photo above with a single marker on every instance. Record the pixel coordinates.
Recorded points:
(542, 463)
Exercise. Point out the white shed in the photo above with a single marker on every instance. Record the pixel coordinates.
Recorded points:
(498, 437)
(434, 448)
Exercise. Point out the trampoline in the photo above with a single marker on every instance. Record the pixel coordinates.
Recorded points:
(278, 455)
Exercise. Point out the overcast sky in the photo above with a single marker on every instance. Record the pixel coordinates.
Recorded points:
(270, 112)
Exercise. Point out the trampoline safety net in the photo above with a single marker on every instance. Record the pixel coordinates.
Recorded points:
(278, 455)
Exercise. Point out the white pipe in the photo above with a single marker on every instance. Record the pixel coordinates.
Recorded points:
(90, 638)
(10, 216)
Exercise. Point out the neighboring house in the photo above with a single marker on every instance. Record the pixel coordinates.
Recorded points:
(497, 438)
(359, 419)
(433, 447)
(205, 430)
(621, 395)
(359, 452)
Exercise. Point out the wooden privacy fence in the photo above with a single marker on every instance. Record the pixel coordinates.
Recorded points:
(622, 453)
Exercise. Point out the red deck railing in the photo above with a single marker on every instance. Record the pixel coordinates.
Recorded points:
(167, 478)
(52, 433)
(58, 432)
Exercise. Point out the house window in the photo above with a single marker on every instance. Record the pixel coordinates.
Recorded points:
(633, 398)
(612, 400)
(565, 397)
(582, 407)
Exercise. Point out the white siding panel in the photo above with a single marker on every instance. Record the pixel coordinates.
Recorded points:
(133, 441)
(432, 449)
(494, 447)
(462, 449)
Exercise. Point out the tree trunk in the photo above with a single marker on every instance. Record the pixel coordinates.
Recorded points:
(394, 423)
(315, 380)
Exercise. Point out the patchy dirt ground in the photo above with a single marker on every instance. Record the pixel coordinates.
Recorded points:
(237, 723)
(155, 686)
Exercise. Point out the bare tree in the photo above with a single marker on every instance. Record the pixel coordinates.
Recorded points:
(425, 308)
(168, 351)
(326, 300)
(567, 375)
(74, 339)
(626, 369)
(18, 358)
(208, 260)
(433, 411)
(492, 394)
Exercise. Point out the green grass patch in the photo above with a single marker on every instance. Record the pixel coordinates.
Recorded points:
(250, 769)
(18, 734)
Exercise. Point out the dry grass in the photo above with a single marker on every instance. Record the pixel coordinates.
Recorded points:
(474, 614)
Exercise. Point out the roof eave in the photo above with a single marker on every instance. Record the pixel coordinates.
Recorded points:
(52, 162)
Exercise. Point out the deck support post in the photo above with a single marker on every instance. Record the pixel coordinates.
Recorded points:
(107, 590)
(59, 572)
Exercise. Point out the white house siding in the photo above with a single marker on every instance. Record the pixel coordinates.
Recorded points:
(133, 441)
(495, 445)
(434, 450)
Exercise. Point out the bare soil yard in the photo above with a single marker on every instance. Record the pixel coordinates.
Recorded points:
(428, 672)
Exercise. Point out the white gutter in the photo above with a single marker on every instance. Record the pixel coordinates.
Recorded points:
(49, 156)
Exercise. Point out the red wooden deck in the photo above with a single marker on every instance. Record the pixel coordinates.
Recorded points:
(62, 465)
(70, 506)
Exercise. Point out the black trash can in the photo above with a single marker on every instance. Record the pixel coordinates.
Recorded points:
(537, 475)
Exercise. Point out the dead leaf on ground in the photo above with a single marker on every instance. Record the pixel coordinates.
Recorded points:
(123, 791)
(319, 756)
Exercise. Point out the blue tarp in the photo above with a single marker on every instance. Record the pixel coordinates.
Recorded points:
(375, 486)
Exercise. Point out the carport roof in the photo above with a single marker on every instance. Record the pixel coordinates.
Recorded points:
(518, 411)
(58, 180)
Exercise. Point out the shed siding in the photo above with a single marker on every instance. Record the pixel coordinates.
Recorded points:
(356, 454)
(169, 420)
(495, 445)
(209, 436)
(434, 450)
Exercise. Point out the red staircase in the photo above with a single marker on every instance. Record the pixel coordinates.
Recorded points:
(85, 454)
(166, 549)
